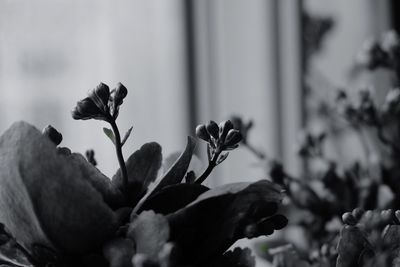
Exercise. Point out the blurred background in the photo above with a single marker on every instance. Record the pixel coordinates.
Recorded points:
(184, 62)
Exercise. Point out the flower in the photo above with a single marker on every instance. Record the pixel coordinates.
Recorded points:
(101, 104)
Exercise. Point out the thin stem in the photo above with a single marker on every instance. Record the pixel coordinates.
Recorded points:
(211, 165)
(118, 149)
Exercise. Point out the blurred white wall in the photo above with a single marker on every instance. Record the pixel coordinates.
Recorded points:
(53, 52)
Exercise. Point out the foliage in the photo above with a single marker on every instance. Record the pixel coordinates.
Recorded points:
(58, 209)
(346, 211)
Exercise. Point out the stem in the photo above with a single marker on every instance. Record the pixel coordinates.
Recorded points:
(118, 149)
(211, 165)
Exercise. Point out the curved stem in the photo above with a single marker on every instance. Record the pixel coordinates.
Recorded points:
(211, 165)
(118, 149)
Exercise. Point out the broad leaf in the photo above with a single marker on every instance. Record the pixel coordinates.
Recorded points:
(142, 167)
(172, 198)
(46, 198)
(211, 224)
(178, 170)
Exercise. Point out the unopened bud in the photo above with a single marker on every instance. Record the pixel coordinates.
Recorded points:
(53, 134)
(232, 138)
(349, 219)
(224, 128)
(213, 129)
(201, 132)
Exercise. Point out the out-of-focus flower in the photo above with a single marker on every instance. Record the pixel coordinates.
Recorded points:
(390, 41)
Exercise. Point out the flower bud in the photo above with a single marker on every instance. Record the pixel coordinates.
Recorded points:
(224, 128)
(232, 138)
(213, 129)
(120, 93)
(349, 219)
(52, 134)
(201, 132)
(358, 213)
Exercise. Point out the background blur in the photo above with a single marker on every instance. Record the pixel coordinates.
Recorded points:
(184, 63)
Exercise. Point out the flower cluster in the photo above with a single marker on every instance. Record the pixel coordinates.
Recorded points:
(381, 54)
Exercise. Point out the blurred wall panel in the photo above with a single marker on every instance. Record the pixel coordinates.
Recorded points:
(53, 52)
(236, 57)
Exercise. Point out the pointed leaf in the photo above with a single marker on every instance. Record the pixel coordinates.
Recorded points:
(391, 237)
(220, 216)
(127, 134)
(177, 172)
(352, 246)
(142, 167)
(109, 133)
(172, 198)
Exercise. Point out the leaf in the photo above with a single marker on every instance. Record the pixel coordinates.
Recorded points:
(109, 133)
(173, 197)
(142, 167)
(212, 223)
(391, 238)
(46, 198)
(352, 246)
(127, 134)
(150, 232)
(11, 252)
(177, 171)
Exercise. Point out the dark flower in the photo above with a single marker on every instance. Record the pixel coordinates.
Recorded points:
(95, 106)
(101, 104)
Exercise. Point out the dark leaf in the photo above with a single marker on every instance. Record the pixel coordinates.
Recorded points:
(352, 247)
(391, 238)
(213, 222)
(173, 197)
(50, 199)
(177, 172)
(142, 167)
